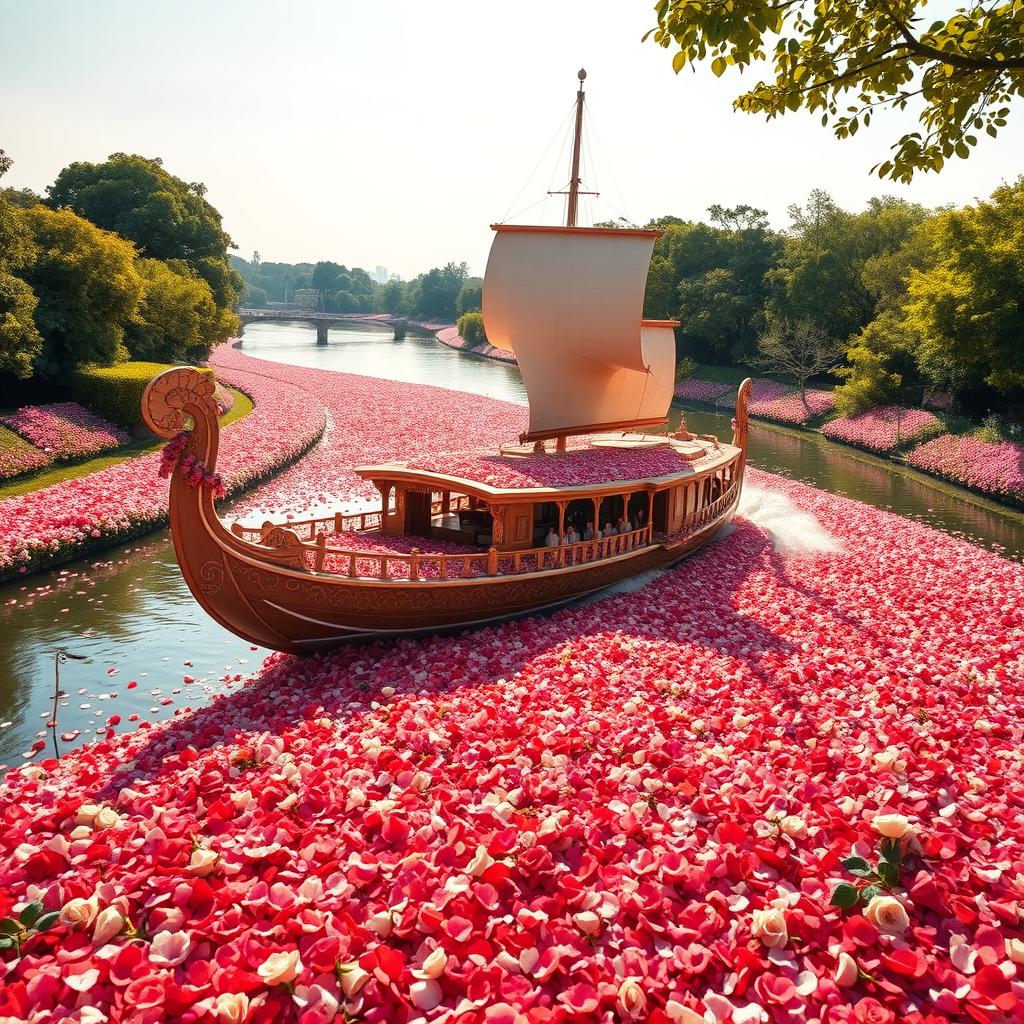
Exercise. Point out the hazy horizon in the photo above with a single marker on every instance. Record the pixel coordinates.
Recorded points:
(395, 137)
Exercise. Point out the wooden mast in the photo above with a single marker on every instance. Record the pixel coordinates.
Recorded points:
(574, 178)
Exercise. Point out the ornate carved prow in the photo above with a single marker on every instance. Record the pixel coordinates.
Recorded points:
(176, 394)
(741, 423)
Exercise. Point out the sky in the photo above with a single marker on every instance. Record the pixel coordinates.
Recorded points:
(395, 134)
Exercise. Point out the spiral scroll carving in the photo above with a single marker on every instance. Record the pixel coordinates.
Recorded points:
(168, 397)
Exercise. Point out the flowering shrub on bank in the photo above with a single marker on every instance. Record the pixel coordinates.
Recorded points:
(763, 788)
(65, 430)
(74, 516)
(450, 336)
(696, 389)
(225, 399)
(793, 408)
(17, 456)
(883, 428)
(992, 468)
(764, 390)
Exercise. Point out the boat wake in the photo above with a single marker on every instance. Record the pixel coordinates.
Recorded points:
(792, 531)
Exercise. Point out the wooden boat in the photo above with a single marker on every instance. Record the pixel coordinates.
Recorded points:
(468, 540)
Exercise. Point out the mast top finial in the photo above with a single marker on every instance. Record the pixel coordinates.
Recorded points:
(582, 74)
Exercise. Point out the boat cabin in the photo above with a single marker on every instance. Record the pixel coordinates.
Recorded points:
(608, 495)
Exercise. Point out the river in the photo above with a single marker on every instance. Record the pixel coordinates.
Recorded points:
(131, 616)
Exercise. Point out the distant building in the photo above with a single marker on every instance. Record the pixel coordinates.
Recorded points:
(306, 298)
(380, 275)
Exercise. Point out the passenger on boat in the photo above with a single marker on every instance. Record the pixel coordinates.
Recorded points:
(588, 533)
(551, 540)
(627, 526)
(609, 530)
(571, 536)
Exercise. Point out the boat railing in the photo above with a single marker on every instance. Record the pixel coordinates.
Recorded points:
(340, 522)
(320, 556)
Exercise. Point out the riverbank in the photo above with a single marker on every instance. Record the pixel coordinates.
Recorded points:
(639, 807)
(80, 515)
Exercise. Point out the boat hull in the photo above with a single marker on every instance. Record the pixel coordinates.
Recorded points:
(299, 612)
(264, 593)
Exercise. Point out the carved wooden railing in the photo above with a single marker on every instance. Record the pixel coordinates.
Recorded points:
(340, 522)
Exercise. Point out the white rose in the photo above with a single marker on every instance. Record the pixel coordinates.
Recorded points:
(631, 1000)
(241, 801)
(425, 995)
(106, 817)
(232, 1007)
(846, 971)
(769, 925)
(481, 861)
(280, 968)
(381, 923)
(87, 814)
(109, 923)
(169, 948)
(203, 861)
(433, 967)
(888, 915)
(892, 826)
(587, 921)
(1015, 950)
(353, 978)
(793, 826)
(79, 913)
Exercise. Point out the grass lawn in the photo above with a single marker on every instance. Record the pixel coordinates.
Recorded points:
(69, 471)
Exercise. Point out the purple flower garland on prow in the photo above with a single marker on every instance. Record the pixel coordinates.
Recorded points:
(192, 469)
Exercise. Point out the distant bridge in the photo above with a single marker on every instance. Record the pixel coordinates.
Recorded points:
(323, 321)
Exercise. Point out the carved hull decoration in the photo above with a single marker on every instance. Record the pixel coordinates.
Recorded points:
(275, 593)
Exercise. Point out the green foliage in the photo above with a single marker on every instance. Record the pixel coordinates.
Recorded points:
(432, 296)
(825, 269)
(115, 392)
(470, 298)
(712, 279)
(471, 329)
(391, 297)
(20, 341)
(849, 58)
(965, 309)
(178, 320)
(869, 376)
(88, 290)
(166, 218)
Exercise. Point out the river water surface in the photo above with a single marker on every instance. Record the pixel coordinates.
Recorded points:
(131, 615)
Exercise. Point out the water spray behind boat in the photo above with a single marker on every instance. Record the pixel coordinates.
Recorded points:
(791, 530)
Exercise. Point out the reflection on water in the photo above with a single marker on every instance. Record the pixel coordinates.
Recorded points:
(133, 617)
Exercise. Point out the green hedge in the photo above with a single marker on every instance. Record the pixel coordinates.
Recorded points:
(116, 391)
(471, 329)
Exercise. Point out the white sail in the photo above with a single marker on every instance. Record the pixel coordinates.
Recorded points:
(568, 302)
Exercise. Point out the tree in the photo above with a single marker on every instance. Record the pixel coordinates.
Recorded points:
(391, 297)
(470, 298)
(965, 309)
(438, 290)
(820, 272)
(20, 341)
(178, 320)
(798, 350)
(166, 218)
(849, 58)
(88, 290)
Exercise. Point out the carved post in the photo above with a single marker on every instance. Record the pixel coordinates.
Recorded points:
(561, 533)
(597, 516)
(321, 552)
(446, 502)
(492, 561)
(414, 564)
(339, 522)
